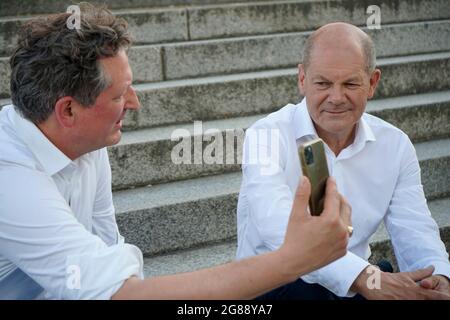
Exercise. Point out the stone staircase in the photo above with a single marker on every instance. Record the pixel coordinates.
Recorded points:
(229, 64)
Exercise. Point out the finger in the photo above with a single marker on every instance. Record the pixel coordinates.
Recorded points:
(435, 295)
(430, 282)
(332, 200)
(420, 274)
(301, 199)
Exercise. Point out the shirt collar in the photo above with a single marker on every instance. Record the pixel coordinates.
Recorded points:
(304, 127)
(364, 131)
(49, 156)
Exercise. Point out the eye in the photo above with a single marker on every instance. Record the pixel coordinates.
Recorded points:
(322, 83)
(352, 85)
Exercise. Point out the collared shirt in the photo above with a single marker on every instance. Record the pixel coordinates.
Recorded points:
(58, 234)
(378, 174)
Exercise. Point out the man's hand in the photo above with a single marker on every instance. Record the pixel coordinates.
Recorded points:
(399, 286)
(436, 282)
(314, 241)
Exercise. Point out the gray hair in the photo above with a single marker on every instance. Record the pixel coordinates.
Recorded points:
(52, 61)
(367, 44)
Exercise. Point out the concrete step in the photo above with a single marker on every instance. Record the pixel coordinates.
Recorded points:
(145, 156)
(234, 55)
(152, 63)
(291, 16)
(182, 214)
(5, 74)
(24, 7)
(190, 260)
(216, 254)
(4, 102)
(184, 23)
(421, 116)
(218, 97)
(434, 159)
(179, 215)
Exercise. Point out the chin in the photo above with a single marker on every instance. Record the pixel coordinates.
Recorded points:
(114, 139)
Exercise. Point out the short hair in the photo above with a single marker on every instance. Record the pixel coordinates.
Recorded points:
(367, 44)
(52, 61)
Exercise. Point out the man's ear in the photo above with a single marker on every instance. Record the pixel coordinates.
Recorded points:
(301, 79)
(64, 111)
(374, 79)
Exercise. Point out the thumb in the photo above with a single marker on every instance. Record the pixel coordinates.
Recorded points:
(301, 198)
(421, 274)
(429, 283)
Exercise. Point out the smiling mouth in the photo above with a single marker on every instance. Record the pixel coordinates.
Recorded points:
(121, 118)
(336, 111)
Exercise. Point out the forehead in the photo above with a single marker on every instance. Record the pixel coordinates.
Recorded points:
(117, 68)
(335, 61)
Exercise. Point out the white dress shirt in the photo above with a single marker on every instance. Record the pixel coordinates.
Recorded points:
(378, 174)
(58, 234)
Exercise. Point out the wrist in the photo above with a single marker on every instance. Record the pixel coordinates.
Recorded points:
(360, 283)
(289, 270)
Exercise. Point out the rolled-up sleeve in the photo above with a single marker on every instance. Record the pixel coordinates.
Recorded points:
(40, 235)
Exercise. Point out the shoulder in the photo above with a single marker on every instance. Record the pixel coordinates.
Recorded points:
(13, 150)
(391, 141)
(384, 130)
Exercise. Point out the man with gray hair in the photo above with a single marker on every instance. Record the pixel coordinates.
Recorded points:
(59, 239)
(375, 167)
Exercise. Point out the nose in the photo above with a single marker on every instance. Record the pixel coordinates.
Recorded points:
(132, 99)
(336, 95)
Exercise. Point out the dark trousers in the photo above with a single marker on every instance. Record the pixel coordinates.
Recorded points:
(300, 290)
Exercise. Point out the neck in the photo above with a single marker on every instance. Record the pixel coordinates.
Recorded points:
(337, 142)
(60, 140)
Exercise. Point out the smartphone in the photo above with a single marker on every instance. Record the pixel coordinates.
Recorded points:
(314, 166)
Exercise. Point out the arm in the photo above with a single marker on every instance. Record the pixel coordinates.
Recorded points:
(310, 242)
(103, 217)
(414, 233)
(42, 237)
(244, 279)
(416, 241)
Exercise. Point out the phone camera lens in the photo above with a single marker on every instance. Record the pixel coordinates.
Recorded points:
(309, 155)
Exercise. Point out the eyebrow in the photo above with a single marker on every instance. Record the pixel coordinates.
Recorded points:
(320, 78)
(124, 89)
(351, 79)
